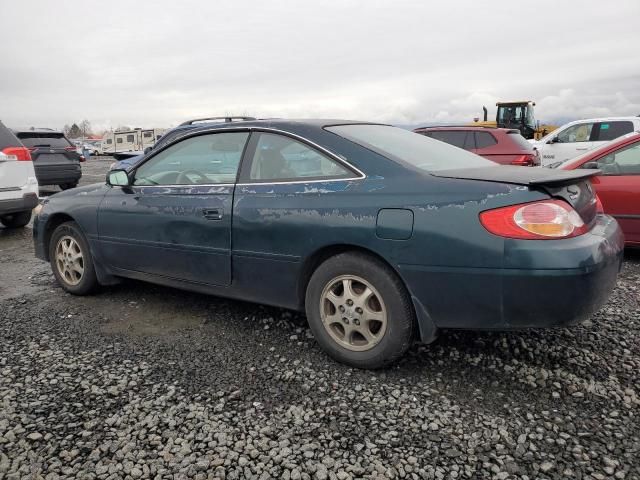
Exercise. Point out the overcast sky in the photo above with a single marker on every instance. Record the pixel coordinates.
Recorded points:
(158, 63)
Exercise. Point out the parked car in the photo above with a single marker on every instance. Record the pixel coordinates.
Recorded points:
(373, 230)
(54, 157)
(618, 183)
(575, 138)
(501, 145)
(18, 184)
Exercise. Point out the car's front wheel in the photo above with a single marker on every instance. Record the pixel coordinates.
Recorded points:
(71, 259)
(359, 310)
(16, 220)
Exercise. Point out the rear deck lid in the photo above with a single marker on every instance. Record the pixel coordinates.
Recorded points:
(573, 186)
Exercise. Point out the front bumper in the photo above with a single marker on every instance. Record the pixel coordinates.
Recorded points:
(55, 174)
(547, 283)
(15, 205)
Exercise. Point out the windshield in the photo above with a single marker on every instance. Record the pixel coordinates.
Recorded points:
(530, 119)
(405, 146)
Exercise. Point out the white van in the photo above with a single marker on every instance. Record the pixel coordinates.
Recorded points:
(575, 138)
(130, 140)
(18, 182)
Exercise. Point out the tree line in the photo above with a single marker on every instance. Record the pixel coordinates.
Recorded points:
(83, 129)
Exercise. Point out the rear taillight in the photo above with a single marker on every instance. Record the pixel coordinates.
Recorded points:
(83, 158)
(21, 153)
(543, 220)
(524, 160)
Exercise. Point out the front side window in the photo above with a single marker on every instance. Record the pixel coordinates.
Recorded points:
(202, 160)
(623, 162)
(576, 133)
(611, 130)
(281, 158)
(405, 147)
(109, 141)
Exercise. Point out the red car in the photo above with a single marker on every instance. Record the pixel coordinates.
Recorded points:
(501, 145)
(618, 184)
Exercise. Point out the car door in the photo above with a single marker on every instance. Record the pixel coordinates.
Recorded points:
(174, 220)
(285, 186)
(618, 187)
(567, 143)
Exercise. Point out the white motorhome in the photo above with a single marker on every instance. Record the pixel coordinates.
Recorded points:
(130, 140)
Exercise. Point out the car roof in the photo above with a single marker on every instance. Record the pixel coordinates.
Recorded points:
(37, 130)
(467, 128)
(603, 119)
(275, 123)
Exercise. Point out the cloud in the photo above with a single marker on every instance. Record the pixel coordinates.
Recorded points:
(142, 64)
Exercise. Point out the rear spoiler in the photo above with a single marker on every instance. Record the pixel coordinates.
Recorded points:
(529, 176)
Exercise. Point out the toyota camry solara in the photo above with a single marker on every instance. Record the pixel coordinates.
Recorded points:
(381, 235)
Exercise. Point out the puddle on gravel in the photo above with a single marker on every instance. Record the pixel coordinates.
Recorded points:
(155, 313)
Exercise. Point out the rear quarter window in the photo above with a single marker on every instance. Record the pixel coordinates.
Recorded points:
(37, 139)
(612, 130)
(409, 149)
(485, 140)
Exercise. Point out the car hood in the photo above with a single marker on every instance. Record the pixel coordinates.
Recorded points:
(94, 188)
(517, 175)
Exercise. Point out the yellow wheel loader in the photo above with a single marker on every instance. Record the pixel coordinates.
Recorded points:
(516, 115)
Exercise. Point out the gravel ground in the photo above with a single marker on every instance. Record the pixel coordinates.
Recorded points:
(141, 381)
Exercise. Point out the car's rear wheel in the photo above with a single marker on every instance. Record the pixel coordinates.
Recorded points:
(359, 310)
(67, 186)
(71, 259)
(16, 220)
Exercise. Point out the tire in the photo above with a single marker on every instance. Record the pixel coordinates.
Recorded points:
(67, 186)
(76, 275)
(16, 220)
(369, 333)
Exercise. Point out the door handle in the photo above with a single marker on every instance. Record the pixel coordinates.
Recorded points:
(212, 213)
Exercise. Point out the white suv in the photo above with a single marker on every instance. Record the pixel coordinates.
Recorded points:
(18, 183)
(575, 138)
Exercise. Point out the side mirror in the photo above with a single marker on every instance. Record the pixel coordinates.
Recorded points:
(147, 150)
(118, 178)
(554, 140)
(591, 165)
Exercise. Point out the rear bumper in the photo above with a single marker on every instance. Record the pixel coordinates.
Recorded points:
(15, 205)
(58, 173)
(547, 283)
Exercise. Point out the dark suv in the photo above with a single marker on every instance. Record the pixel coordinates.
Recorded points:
(55, 158)
(501, 145)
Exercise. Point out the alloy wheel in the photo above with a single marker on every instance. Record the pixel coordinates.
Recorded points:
(353, 313)
(69, 260)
